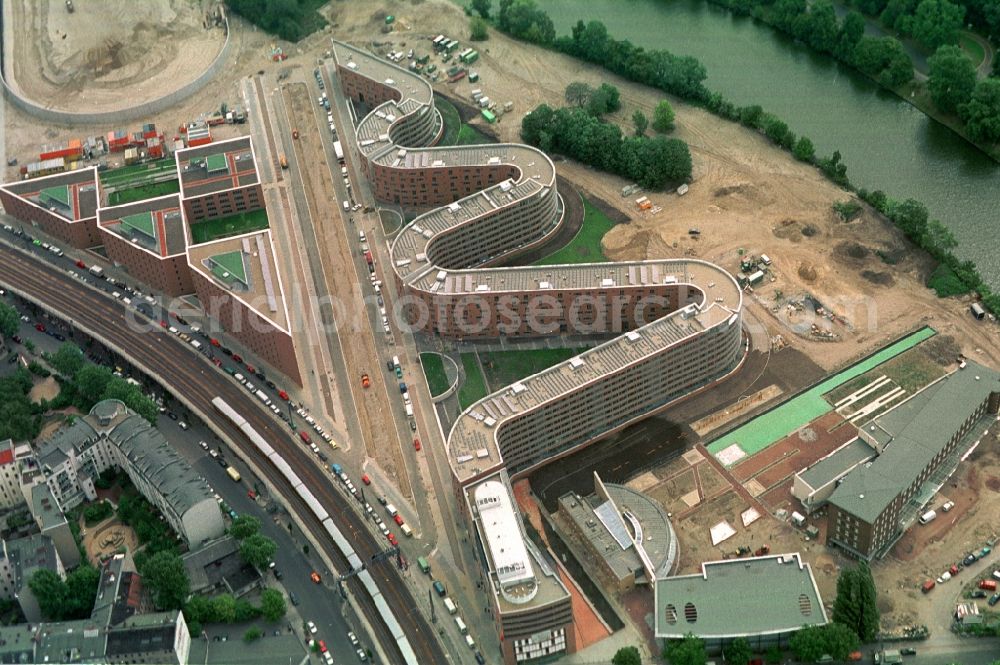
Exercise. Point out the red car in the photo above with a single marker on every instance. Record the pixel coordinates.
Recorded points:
(251, 495)
(398, 519)
(163, 324)
(40, 327)
(237, 357)
(392, 538)
(218, 362)
(305, 437)
(81, 264)
(416, 444)
(214, 342)
(251, 368)
(322, 646)
(283, 395)
(366, 480)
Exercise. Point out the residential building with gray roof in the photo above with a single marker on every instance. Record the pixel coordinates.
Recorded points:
(920, 442)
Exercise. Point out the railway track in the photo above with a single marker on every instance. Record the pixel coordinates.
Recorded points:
(180, 371)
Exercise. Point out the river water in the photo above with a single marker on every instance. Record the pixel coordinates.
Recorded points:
(886, 143)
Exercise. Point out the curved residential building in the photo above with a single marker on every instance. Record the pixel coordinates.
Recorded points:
(678, 322)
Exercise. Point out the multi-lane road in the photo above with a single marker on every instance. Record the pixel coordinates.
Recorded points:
(192, 378)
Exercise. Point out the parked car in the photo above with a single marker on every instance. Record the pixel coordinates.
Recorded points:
(907, 651)
(314, 576)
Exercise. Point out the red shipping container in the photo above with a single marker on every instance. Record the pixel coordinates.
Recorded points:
(989, 585)
(148, 130)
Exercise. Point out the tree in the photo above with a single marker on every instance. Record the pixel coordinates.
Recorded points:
(478, 31)
(524, 20)
(224, 608)
(244, 526)
(10, 320)
(258, 550)
(982, 113)
(687, 651)
(81, 590)
(808, 644)
(91, 381)
(272, 604)
(640, 121)
(67, 360)
(627, 656)
(840, 640)
(663, 117)
(855, 605)
(578, 93)
(852, 29)
(252, 635)
(884, 59)
(935, 23)
(804, 150)
(897, 12)
(871, 7)
(482, 7)
(50, 592)
(938, 240)
(604, 100)
(820, 26)
(737, 652)
(165, 576)
(951, 78)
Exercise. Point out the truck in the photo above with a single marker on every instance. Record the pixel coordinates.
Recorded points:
(369, 258)
(409, 410)
(97, 271)
(988, 585)
(339, 151)
(283, 161)
(391, 509)
(263, 397)
(233, 473)
(196, 344)
(450, 606)
(928, 517)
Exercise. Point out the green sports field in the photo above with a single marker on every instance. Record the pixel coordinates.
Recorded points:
(777, 423)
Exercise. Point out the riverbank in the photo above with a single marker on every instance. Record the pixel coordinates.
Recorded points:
(746, 194)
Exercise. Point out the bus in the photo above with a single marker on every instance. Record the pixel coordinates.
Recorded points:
(233, 473)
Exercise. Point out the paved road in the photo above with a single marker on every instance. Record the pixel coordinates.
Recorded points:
(199, 382)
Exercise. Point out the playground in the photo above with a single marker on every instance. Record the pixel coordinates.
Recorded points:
(107, 538)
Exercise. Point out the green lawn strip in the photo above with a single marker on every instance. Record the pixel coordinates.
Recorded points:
(135, 173)
(437, 379)
(972, 48)
(473, 388)
(505, 367)
(777, 423)
(232, 225)
(585, 247)
(452, 121)
(143, 192)
(468, 135)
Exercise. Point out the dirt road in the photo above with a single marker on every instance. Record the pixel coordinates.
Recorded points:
(360, 355)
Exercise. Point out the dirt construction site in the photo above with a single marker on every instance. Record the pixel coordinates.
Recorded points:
(746, 197)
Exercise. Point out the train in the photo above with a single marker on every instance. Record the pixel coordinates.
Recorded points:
(353, 560)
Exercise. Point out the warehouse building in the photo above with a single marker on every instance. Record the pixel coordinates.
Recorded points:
(919, 443)
(761, 599)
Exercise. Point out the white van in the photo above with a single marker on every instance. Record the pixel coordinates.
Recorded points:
(196, 344)
(407, 531)
(409, 409)
(928, 517)
(462, 628)
(361, 236)
(450, 606)
(471, 642)
(239, 377)
(347, 206)
(391, 509)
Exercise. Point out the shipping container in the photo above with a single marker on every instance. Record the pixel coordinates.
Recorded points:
(489, 116)
(927, 517)
(989, 585)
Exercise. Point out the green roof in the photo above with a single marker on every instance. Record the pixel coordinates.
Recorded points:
(232, 263)
(58, 195)
(739, 597)
(141, 222)
(911, 435)
(214, 163)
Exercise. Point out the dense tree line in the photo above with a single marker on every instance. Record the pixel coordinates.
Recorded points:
(855, 605)
(954, 89)
(652, 162)
(64, 600)
(20, 419)
(288, 19)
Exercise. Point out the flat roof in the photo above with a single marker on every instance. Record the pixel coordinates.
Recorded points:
(837, 463)
(912, 434)
(216, 167)
(258, 282)
(71, 195)
(503, 521)
(155, 225)
(739, 597)
(502, 534)
(409, 84)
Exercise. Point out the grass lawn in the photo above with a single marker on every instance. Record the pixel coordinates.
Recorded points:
(135, 174)
(150, 191)
(585, 247)
(233, 225)
(972, 48)
(452, 121)
(433, 365)
(470, 136)
(505, 367)
(473, 388)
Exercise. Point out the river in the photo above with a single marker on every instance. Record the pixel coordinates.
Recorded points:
(886, 143)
